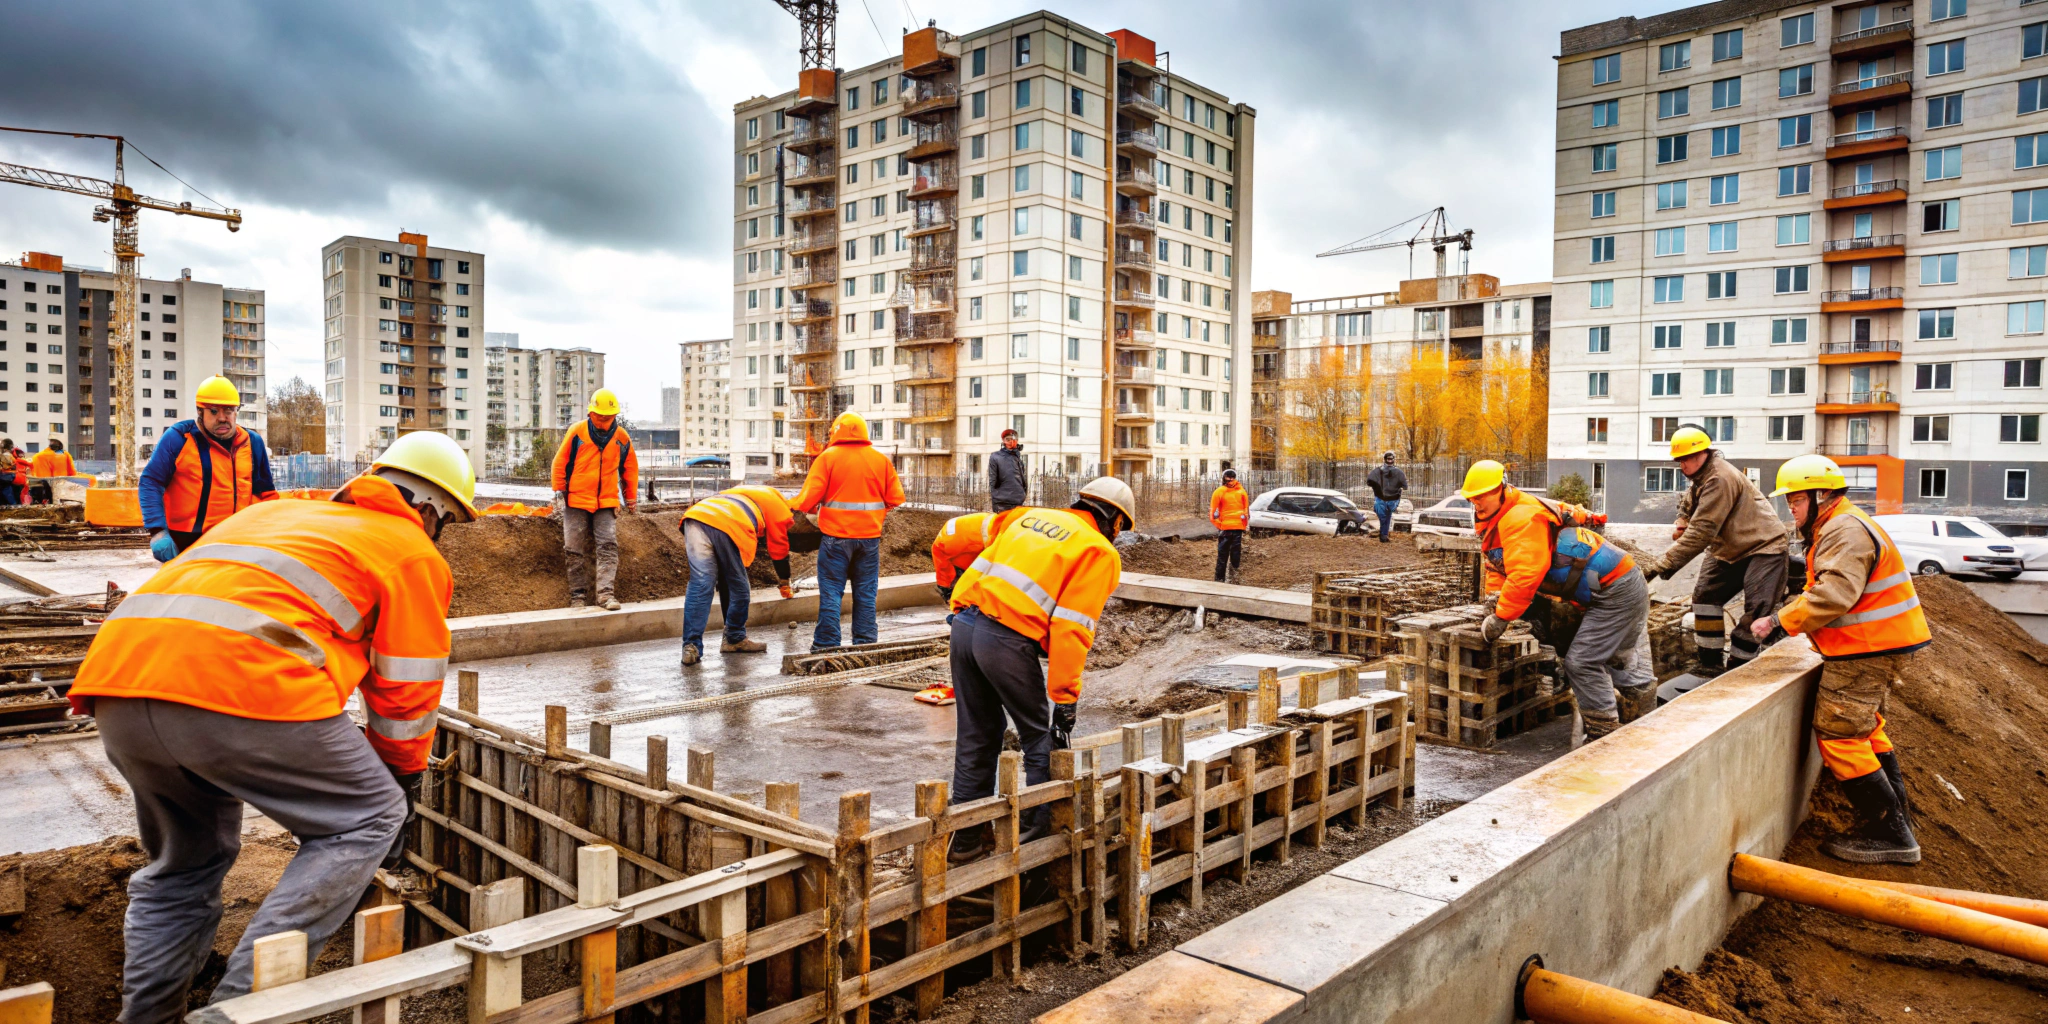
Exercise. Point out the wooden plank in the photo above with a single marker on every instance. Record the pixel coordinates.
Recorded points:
(779, 901)
(857, 993)
(1195, 783)
(849, 924)
(1009, 958)
(930, 929)
(1280, 798)
(557, 744)
(1244, 762)
(412, 973)
(1173, 739)
(1067, 878)
(28, 1004)
(725, 929)
(494, 982)
(1133, 744)
(1088, 795)
(466, 690)
(632, 856)
(1135, 878)
(280, 960)
(650, 980)
(379, 935)
(1319, 781)
(529, 868)
(1267, 711)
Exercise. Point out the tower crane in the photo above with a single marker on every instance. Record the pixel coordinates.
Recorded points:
(121, 204)
(818, 20)
(1432, 229)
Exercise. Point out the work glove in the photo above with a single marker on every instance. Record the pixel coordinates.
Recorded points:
(785, 590)
(163, 545)
(1651, 569)
(411, 783)
(1062, 725)
(1492, 602)
(632, 507)
(561, 501)
(1492, 628)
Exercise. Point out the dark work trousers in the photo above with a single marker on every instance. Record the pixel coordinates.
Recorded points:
(996, 673)
(1229, 551)
(1760, 579)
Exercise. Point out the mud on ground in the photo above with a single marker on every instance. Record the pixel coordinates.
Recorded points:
(1286, 561)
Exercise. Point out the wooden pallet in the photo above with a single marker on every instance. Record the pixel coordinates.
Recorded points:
(1353, 613)
(1465, 691)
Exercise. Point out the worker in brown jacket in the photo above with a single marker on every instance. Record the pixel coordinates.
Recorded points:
(1725, 518)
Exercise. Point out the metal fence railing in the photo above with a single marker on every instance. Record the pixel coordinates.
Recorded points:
(289, 472)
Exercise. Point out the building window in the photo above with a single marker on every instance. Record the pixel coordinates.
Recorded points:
(2023, 373)
(1674, 102)
(1603, 204)
(1671, 195)
(1945, 215)
(1670, 241)
(1727, 92)
(1795, 30)
(1944, 58)
(1942, 10)
(1660, 479)
(1601, 294)
(1790, 280)
(1607, 70)
(1943, 111)
(1596, 430)
(1934, 377)
(1937, 323)
(1023, 49)
(1721, 334)
(1723, 189)
(1721, 237)
(1788, 428)
(1719, 381)
(1727, 141)
(1674, 56)
(1721, 284)
(2030, 206)
(1670, 149)
(1604, 157)
(1603, 249)
(1598, 339)
(1668, 289)
(1934, 482)
(1606, 113)
(2029, 151)
(2023, 317)
(1795, 181)
(1728, 45)
(1938, 269)
(1930, 429)
(1719, 428)
(1662, 427)
(1664, 384)
(1596, 384)
(1788, 380)
(2015, 485)
(1944, 163)
(1795, 229)
(1666, 336)
(1795, 131)
(2028, 261)
(2021, 429)
(1795, 81)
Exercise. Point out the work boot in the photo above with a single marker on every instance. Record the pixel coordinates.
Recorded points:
(971, 844)
(1635, 701)
(576, 601)
(1882, 834)
(742, 647)
(610, 603)
(692, 654)
(1889, 761)
(1597, 726)
(1712, 662)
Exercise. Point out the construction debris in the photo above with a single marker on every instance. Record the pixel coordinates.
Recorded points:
(1468, 692)
(888, 652)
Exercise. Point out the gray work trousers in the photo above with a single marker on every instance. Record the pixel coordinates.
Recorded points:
(191, 770)
(1612, 646)
(578, 529)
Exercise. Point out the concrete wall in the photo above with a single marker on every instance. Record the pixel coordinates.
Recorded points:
(1610, 862)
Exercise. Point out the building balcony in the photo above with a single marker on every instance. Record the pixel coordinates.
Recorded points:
(823, 101)
(1871, 92)
(811, 204)
(815, 274)
(817, 340)
(1836, 353)
(808, 311)
(933, 182)
(926, 97)
(1876, 39)
(1856, 145)
(810, 173)
(931, 404)
(1134, 338)
(1134, 412)
(1129, 257)
(811, 134)
(1138, 104)
(1135, 298)
(1867, 193)
(1140, 454)
(1839, 451)
(1875, 247)
(810, 375)
(1135, 181)
(930, 446)
(930, 140)
(933, 253)
(931, 371)
(1133, 372)
(1855, 403)
(1267, 342)
(1137, 144)
(1857, 300)
(1135, 220)
(926, 330)
(822, 237)
(932, 216)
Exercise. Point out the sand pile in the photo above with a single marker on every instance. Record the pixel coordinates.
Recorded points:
(1281, 562)
(1972, 734)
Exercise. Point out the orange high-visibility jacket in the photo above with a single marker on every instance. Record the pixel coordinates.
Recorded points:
(193, 481)
(1230, 508)
(1046, 576)
(595, 477)
(283, 610)
(746, 514)
(1887, 619)
(52, 463)
(851, 486)
(963, 539)
(1525, 534)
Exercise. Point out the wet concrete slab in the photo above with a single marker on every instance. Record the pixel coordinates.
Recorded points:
(81, 572)
(60, 793)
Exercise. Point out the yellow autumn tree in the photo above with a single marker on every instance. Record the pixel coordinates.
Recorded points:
(1323, 400)
(1513, 413)
(1420, 406)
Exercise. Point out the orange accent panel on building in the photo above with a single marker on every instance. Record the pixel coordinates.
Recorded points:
(818, 83)
(1862, 305)
(43, 261)
(1132, 46)
(417, 241)
(1891, 479)
(1882, 252)
(1895, 195)
(920, 47)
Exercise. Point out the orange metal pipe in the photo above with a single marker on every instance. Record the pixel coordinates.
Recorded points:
(1552, 998)
(1855, 897)
(2034, 912)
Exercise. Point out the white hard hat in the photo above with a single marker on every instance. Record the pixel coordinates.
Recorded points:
(1115, 493)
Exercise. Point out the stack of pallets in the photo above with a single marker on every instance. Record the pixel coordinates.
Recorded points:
(1467, 692)
(1353, 611)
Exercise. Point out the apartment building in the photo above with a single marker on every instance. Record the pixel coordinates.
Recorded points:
(403, 343)
(39, 335)
(1033, 226)
(241, 358)
(546, 390)
(1467, 322)
(703, 412)
(497, 440)
(1806, 228)
(183, 329)
(672, 403)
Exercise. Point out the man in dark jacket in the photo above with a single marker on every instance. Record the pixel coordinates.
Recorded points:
(1006, 486)
(1387, 482)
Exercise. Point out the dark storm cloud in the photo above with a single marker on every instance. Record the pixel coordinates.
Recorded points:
(544, 112)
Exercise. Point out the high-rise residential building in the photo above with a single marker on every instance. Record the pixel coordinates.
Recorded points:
(182, 327)
(241, 358)
(44, 342)
(704, 402)
(497, 441)
(1805, 228)
(672, 401)
(1031, 226)
(546, 391)
(403, 343)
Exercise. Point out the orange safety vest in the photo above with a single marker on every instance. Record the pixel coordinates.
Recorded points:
(596, 477)
(50, 463)
(963, 539)
(1230, 508)
(283, 610)
(1887, 619)
(745, 514)
(851, 486)
(208, 481)
(1527, 549)
(1047, 576)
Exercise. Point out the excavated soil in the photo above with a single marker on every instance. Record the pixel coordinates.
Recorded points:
(1287, 561)
(1972, 735)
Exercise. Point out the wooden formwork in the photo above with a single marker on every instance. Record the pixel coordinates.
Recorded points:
(676, 903)
(1466, 691)
(1352, 613)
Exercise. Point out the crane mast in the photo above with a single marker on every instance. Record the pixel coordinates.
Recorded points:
(1432, 229)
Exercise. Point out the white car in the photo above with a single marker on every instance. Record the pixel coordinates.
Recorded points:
(1931, 545)
(1307, 510)
(1451, 517)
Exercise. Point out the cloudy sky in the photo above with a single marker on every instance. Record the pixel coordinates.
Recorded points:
(583, 146)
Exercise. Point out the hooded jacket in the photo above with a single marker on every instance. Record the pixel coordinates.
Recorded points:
(851, 486)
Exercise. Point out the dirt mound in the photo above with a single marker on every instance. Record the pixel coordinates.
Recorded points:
(1282, 562)
(1972, 734)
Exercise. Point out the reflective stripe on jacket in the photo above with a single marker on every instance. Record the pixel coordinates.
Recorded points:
(283, 611)
(1230, 508)
(851, 487)
(1530, 550)
(1046, 576)
(1887, 619)
(52, 463)
(745, 514)
(964, 538)
(595, 476)
(193, 482)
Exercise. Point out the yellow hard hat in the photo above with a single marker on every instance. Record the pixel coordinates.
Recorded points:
(432, 459)
(604, 403)
(1809, 473)
(1111, 491)
(218, 390)
(1485, 475)
(1689, 441)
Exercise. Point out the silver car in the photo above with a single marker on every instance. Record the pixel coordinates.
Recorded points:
(1307, 510)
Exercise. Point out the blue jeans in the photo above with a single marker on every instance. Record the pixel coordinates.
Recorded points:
(1385, 509)
(714, 566)
(841, 559)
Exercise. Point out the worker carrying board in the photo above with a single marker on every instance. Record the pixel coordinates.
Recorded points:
(1743, 546)
(954, 550)
(595, 472)
(224, 679)
(1864, 617)
(1039, 588)
(1536, 546)
(720, 537)
(203, 470)
(1230, 512)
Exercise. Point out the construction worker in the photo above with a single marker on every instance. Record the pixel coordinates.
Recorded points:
(224, 679)
(203, 470)
(50, 463)
(21, 463)
(1745, 545)
(1230, 512)
(1007, 486)
(851, 487)
(1038, 589)
(954, 550)
(1534, 545)
(595, 471)
(8, 494)
(1387, 482)
(1864, 617)
(720, 535)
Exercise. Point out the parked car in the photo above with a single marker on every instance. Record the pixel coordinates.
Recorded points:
(1931, 545)
(1308, 510)
(1451, 516)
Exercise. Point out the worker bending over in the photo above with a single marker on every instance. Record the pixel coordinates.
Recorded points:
(203, 470)
(1230, 511)
(1864, 617)
(1039, 588)
(224, 679)
(1745, 545)
(851, 487)
(50, 463)
(959, 543)
(595, 471)
(720, 535)
(1534, 546)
